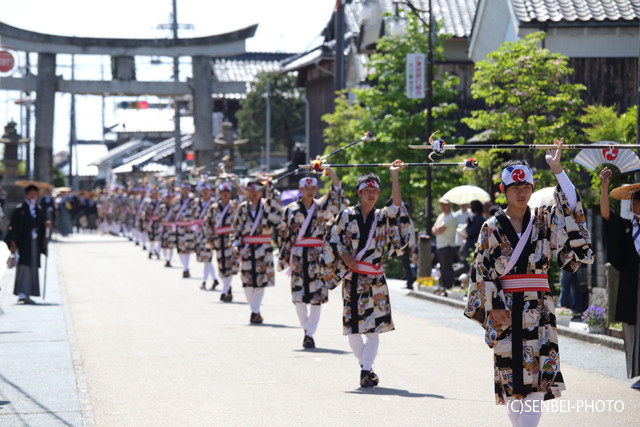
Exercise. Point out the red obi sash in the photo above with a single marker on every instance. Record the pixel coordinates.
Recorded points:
(368, 269)
(256, 240)
(525, 283)
(224, 230)
(309, 242)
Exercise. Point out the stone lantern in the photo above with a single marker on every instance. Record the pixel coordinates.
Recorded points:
(227, 141)
(14, 194)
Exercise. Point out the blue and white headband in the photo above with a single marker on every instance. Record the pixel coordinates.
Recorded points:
(515, 174)
(224, 187)
(308, 182)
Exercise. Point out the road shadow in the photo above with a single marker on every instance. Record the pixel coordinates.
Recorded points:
(321, 351)
(4, 402)
(273, 325)
(382, 391)
(231, 303)
(10, 332)
(41, 304)
(47, 410)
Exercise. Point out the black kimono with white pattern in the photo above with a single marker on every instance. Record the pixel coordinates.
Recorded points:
(526, 355)
(367, 307)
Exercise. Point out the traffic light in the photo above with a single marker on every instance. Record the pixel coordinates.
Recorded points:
(141, 105)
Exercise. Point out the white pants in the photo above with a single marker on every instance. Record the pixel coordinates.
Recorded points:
(168, 254)
(136, 234)
(308, 319)
(144, 237)
(525, 412)
(152, 247)
(208, 271)
(365, 349)
(226, 284)
(254, 298)
(185, 261)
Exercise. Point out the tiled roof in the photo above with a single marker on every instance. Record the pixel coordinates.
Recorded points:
(120, 151)
(456, 15)
(576, 10)
(245, 67)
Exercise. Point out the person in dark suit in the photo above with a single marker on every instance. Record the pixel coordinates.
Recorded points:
(622, 238)
(27, 236)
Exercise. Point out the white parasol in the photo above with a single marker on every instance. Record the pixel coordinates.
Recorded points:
(465, 194)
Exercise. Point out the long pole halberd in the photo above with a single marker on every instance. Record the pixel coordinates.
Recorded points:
(526, 147)
(469, 163)
(367, 137)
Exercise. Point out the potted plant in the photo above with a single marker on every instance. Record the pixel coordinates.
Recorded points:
(615, 330)
(595, 319)
(563, 316)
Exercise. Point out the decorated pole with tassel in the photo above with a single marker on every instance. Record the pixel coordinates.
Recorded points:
(319, 167)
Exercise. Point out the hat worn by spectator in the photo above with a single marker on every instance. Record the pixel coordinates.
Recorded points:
(445, 201)
(626, 192)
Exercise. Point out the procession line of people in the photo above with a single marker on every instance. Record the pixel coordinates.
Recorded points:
(325, 242)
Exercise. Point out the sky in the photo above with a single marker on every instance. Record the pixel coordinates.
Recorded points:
(283, 26)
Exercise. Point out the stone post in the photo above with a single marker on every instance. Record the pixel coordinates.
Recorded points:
(424, 251)
(45, 104)
(202, 111)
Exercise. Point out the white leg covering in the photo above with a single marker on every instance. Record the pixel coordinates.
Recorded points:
(525, 412)
(370, 351)
(145, 238)
(185, 261)
(254, 298)
(308, 318)
(301, 310)
(168, 254)
(208, 271)
(226, 284)
(357, 346)
(214, 275)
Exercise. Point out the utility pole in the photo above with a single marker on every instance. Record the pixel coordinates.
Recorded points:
(72, 130)
(429, 210)
(268, 165)
(177, 157)
(638, 114)
(27, 132)
(338, 78)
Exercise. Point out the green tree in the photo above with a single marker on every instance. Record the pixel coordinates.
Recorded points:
(395, 120)
(287, 112)
(605, 125)
(522, 86)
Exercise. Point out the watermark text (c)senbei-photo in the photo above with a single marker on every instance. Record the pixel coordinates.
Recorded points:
(560, 405)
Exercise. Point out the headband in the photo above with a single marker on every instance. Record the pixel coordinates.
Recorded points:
(224, 187)
(369, 183)
(515, 174)
(308, 182)
(185, 185)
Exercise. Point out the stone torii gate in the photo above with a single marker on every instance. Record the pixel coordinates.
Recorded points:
(122, 51)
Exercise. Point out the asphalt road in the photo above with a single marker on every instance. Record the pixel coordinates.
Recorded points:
(156, 351)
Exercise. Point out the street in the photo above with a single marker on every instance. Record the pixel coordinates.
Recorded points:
(123, 341)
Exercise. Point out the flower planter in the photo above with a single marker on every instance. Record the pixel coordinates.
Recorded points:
(596, 329)
(616, 333)
(563, 320)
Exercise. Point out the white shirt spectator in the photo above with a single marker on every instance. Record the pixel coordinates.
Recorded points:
(448, 238)
(462, 217)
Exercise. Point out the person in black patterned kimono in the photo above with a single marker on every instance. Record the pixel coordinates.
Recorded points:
(204, 250)
(140, 222)
(183, 209)
(253, 226)
(509, 291)
(352, 254)
(167, 235)
(153, 221)
(302, 230)
(219, 226)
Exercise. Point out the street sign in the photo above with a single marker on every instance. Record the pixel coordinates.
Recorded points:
(7, 62)
(415, 75)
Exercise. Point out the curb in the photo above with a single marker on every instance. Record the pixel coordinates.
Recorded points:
(603, 340)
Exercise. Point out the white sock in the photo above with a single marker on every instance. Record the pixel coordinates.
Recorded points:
(226, 284)
(214, 275)
(370, 351)
(168, 254)
(254, 298)
(145, 237)
(357, 346)
(208, 271)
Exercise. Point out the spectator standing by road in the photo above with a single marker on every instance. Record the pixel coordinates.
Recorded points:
(445, 231)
